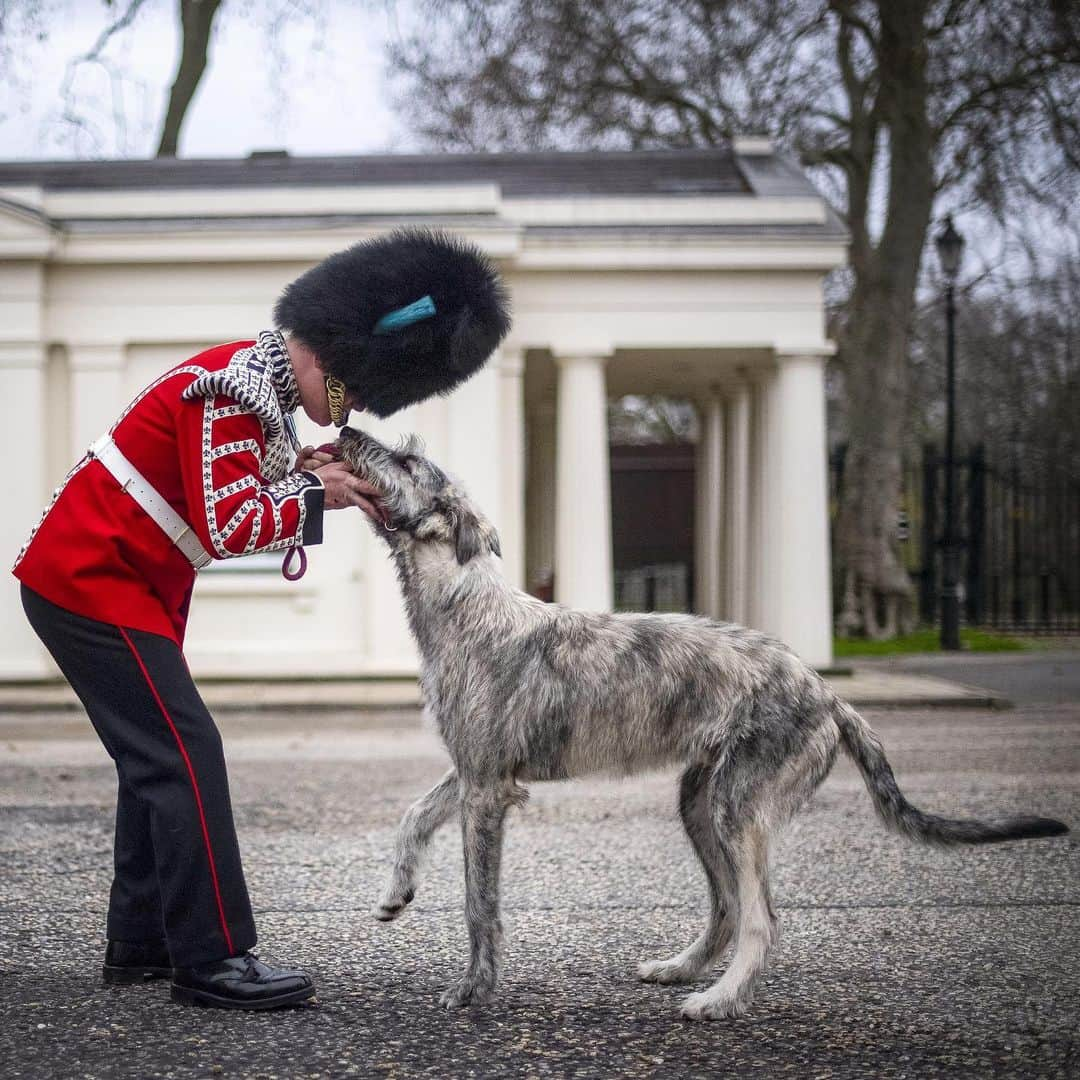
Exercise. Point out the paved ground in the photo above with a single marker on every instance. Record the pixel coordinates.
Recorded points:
(1050, 677)
(895, 961)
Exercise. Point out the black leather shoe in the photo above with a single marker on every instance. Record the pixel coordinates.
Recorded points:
(240, 982)
(135, 962)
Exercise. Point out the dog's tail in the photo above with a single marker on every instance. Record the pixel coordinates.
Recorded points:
(898, 814)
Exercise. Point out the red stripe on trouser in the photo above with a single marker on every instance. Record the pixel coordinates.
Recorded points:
(194, 785)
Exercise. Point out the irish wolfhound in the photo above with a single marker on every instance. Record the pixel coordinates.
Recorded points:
(521, 690)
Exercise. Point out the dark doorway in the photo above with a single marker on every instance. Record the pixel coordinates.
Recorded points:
(652, 526)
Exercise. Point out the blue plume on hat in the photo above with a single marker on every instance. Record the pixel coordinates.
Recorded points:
(424, 308)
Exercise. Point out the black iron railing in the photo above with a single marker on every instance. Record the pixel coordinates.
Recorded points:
(1020, 536)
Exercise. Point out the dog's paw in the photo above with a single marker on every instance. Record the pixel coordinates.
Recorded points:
(667, 971)
(392, 905)
(709, 1006)
(467, 991)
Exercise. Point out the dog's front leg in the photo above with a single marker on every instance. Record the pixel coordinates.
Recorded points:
(413, 838)
(483, 812)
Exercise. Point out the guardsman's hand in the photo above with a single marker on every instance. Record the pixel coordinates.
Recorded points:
(343, 489)
(309, 459)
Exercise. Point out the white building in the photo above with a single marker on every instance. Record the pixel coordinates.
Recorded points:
(695, 274)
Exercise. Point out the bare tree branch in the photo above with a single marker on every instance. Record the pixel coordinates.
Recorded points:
(197, 19)
(72, 114)
(111, 31)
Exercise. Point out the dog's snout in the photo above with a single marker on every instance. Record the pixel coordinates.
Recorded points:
(357, 440)
(356, 447)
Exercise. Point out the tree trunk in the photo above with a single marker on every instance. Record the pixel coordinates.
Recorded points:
(874, 357)
(196, 21)
(873, 347)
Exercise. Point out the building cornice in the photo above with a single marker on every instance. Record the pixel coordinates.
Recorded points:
(522, 249)
(775, 220)
(142, 204)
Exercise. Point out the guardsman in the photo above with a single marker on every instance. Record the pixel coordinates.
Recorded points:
(205, 464)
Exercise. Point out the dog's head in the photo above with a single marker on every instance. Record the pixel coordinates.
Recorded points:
(419, 503)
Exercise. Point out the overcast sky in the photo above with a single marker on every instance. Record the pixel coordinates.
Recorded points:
(311, 84)
(315, 86)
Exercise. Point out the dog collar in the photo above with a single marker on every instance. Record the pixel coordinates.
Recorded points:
(410, 524)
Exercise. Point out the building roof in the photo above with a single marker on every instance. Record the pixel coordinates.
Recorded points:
(743, 194)
(655, 172)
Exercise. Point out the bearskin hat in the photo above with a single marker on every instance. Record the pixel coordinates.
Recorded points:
(399, 318)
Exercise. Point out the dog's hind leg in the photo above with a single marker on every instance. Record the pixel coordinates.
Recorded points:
(700, 826)
(413, 838)
(483, 813)
(755, 930)
(756, 788)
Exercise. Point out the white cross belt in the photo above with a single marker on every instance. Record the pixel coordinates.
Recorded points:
(147, 496)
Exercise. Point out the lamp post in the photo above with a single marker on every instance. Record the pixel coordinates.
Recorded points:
(950, 248)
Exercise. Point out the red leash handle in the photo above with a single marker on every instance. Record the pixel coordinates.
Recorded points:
(287, 572)
(301, 569)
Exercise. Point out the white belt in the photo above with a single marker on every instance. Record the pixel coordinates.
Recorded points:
(146, 495)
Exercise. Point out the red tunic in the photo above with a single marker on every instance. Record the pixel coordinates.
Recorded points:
(97, 553)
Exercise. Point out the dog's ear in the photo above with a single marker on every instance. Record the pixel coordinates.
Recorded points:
(468, 538)
(471, 536)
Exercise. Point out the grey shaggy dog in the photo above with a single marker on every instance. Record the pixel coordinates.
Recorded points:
(522, 690)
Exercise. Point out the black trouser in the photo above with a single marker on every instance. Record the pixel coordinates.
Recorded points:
(177, 864)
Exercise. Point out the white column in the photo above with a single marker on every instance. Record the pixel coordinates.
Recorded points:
(801, 601)
(760, 546)
(511, 520)
(708, 547)
(540, 494)
(24, 421)
(737, 505)
(473, 450)
(583, 559)
(97, 391)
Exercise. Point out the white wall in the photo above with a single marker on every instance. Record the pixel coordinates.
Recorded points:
(83, 326)
(24, 420)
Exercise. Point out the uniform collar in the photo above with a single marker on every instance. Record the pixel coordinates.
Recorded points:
(271, 346)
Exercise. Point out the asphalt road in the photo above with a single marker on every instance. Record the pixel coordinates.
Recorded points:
(1050, 677)
(894, 961)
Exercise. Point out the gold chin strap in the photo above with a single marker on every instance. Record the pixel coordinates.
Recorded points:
(335, 395)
